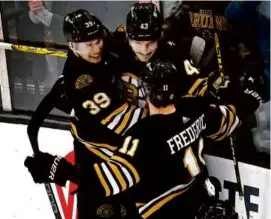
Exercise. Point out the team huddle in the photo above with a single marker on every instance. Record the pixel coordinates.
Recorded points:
(139, 114)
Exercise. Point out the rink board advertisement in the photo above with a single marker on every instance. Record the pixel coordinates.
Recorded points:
(21, 198)
(255, 181)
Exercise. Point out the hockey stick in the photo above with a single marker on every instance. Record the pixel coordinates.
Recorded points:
(244, 214)
(40, 51)
(49, 190)
(32, 49)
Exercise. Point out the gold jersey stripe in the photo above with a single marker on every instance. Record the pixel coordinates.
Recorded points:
(118, 176)
(221, 124)
(229, 125)
(125, 120)
(127, 164)
(195, 86)
(145, 113)
(117, 111)
(110, 147)
(74, 130)
(102, 180)
(202, 91)
(97, 152)
(232, 108)
(138, 204)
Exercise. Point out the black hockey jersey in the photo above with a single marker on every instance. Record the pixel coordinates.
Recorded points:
(161, 155)
(131, 66)
(93, 90)
(95, 94)
(206, 19)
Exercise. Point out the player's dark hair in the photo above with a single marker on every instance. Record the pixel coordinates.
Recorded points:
(159, 80)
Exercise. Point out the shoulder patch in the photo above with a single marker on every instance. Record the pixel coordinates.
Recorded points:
(105, 211)
(83, 81)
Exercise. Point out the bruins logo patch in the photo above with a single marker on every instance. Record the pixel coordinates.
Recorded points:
(121, 28)
(83, 81)
(123, 211)
(105, 211)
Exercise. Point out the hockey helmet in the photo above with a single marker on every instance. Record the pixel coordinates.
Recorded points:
(144, 22)
(82, 26)
(159, 80)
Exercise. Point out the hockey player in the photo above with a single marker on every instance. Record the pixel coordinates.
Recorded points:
(159, 167)
(91, 76)
(133, 59)
(141, 41)
(90, 85)
(66, 93)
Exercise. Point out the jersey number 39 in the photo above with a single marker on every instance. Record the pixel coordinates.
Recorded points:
(100, 101)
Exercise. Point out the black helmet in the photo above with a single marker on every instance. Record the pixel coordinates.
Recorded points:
(159, 80)
(82, 26)
(144, 22)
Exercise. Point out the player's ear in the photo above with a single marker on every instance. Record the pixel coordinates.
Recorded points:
(73, 48)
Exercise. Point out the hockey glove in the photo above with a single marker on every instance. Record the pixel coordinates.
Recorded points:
(251, 99)
(217, 85)
(46, 168)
